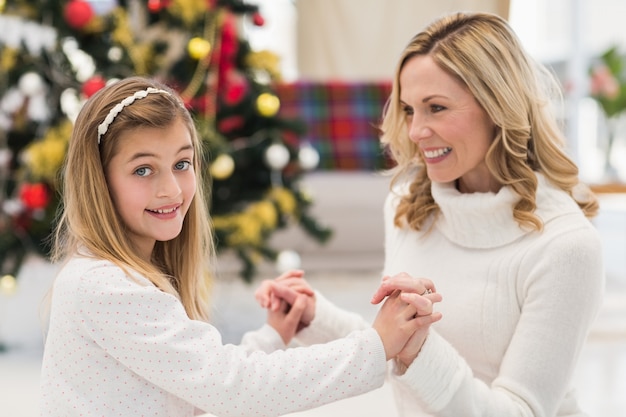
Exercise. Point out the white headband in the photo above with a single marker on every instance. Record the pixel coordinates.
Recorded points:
(104, 126)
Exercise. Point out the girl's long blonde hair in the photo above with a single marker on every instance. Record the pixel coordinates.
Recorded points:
(88, 219)
(483, 52)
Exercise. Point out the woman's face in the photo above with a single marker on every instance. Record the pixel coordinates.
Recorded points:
(450, 128)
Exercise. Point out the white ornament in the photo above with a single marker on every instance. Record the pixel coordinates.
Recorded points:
(31, 84)
(115, 54)
(70, 103)
(5, 122)
(308, 157)
(287, 260)
(38, 108)
(5, 158)
(277, 156)
(13, 207)
(102, 7)
(12, 101)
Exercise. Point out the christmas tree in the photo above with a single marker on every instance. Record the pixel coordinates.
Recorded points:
(55, 54)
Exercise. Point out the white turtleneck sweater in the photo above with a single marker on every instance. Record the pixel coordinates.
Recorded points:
(517, 304)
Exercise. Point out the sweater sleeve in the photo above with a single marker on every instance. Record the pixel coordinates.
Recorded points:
(265, 339)
(560, 300)
(148, 332)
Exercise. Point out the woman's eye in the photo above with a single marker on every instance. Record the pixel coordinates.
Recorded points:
(183, 165)
(407, 110)
(436, 108)
(143, 171)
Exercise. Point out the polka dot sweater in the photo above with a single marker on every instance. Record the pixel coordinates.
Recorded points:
(118, 346)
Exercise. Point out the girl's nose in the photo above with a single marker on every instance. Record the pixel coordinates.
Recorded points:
(168, 185)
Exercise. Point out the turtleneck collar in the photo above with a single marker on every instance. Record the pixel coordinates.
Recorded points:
(485, 220)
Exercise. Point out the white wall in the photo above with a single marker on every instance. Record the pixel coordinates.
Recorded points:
(361, 40)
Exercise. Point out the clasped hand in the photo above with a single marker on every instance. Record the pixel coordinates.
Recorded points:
(402, 321)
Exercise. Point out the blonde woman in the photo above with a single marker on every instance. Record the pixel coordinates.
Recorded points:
(485, 203)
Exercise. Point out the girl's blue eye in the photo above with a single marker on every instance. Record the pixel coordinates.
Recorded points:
(183, 165)
(143, 171)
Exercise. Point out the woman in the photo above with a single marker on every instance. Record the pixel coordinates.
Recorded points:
(485, 203)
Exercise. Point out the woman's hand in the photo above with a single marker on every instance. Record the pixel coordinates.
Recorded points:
(405, 283)
(420, 294)
(398, 321)
(423, 304)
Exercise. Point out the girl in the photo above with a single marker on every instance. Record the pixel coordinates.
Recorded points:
(128, 331)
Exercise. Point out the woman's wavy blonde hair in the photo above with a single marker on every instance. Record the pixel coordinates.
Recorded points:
(88, 218)
(483, 52)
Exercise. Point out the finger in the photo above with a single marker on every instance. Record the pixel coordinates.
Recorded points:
(292, 273)
(262, 294)
(298, 284)
(284, 292)
(421, 321)
(275, 303)
(297, 309)
(403, 282)
(422, 303)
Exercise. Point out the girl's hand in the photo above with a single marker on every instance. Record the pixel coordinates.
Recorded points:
(271, 294)
(293, 279)
(286, 319)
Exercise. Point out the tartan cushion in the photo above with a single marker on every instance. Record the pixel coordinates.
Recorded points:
(341, 120)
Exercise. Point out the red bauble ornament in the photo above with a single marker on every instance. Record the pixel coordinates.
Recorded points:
(155, 6)
(230, 123)
(93, 85)
(35, 196)
(235, 87)
(257, 19)
(78, 14)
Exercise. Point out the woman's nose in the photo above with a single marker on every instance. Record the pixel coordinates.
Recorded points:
(418, 129)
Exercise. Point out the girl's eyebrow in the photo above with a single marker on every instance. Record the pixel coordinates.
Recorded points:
(149, 154)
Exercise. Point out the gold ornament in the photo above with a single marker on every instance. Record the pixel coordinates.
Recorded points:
(8, 284)
(267, 104)
(189, 11)
(8, 58)
(45, 157)
(266, 212)
(266, 61)
(284, 198)
(198, 48)
(222, 167)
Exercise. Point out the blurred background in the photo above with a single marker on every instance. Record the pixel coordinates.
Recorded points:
(286, 95)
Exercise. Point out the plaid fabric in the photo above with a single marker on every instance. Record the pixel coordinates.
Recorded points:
(341, 120)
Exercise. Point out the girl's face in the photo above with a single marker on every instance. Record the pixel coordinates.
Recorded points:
(152, 182)
(451, 129)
